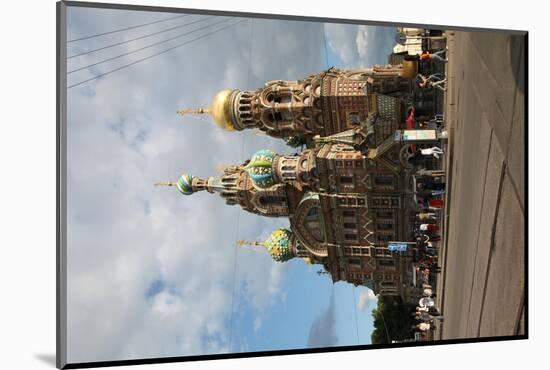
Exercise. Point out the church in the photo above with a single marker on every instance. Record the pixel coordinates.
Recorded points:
(348, 192)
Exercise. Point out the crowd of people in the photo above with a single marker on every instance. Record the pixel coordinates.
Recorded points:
(429, 183)
(426, 313)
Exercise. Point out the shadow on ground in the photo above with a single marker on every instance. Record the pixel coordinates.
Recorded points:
(47, 358)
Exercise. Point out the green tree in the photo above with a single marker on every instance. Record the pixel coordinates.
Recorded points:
(392, 320)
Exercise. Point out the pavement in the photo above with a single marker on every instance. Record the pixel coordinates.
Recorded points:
(481, 287)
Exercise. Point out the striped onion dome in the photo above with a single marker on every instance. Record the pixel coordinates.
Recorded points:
(278, 245)
(184, 184)
(260, 169)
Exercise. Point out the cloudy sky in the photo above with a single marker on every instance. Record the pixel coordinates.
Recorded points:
(152, 273)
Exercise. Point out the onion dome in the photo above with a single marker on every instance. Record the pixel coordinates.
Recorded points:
(185, 185)
(278, 245)
(221, 109)
(260, 169)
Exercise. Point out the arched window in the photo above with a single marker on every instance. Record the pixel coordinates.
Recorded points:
(313, 224)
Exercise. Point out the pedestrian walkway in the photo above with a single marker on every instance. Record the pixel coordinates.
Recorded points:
(481, 287)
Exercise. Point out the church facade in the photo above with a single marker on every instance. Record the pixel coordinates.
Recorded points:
(348, 193)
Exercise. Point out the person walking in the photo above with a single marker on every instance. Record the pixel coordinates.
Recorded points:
(438, 55)
(434, 80)
(435, 151)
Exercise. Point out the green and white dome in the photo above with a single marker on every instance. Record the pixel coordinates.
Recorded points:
(260, 169)
(185, 185)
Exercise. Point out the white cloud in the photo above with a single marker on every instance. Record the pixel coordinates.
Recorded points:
(359, 46)
(362, 42)
(341, 39)
(124, 234)
(366, 300)
(257, 324)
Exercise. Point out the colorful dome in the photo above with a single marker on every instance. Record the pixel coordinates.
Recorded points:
(184, 184)
(259, 169)
(278, 245)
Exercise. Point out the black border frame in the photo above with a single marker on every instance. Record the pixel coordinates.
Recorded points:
(61, 161)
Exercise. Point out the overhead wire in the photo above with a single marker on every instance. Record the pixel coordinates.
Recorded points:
(139, 38)
(325, 43)
(127, 28)
(238, 214)
(153, 55)
(147, 47)
(355, 310)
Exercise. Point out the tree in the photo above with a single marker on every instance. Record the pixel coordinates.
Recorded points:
(392, 320)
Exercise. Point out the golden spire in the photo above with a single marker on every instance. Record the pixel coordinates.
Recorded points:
(220, 110)
(250, 243)
(183, 112)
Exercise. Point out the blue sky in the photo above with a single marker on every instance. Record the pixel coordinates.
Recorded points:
(152, 273)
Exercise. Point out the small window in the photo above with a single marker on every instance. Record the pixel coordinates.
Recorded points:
(384, 214)
(354, 118)
(348, 214)
(346, 179)
(350, 237)
(384, 226)
(313, 213)
(386, 262)
(349, 225)
(354, 261)
(383, 180)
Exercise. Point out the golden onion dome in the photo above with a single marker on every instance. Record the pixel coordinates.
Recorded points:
(221, 110)
(410, 69)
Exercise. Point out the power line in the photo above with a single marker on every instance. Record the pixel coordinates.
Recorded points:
(385, 327)
(152, 56)
(234, 282)
(325, 43)
(238, 215)
(127, 28)
(355, 310)
(139, 38)
(146, 47)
